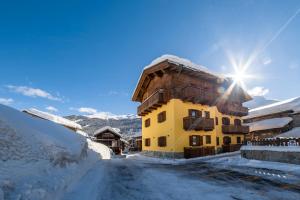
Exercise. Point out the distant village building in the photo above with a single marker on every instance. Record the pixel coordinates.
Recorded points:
(111, 138)
(54, 118)
(135, 142)
(188, 111)
(274, 120)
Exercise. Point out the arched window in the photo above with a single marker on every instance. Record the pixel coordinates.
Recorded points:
(237, 122)
(225, 121)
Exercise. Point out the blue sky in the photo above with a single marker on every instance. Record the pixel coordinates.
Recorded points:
(89, 54)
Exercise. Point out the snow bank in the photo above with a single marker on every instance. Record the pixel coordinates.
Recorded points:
(289, 104)
(38, 158)
(54, 118)
(269, 124)
(181, 61)
(24, 137)
(294, 133)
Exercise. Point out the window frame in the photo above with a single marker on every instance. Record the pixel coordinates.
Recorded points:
(206, 139)
(162, 141)
(161, 117)
(147, 122)
(225, 121)
(198, 142)
(147, 142)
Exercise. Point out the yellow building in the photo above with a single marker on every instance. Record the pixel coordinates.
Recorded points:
(188, 111)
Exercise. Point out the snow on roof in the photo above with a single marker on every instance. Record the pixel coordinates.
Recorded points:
(107, 128)
(181, 61)
(282, 106)
(269, 124)
(53, 118)
(294, 133)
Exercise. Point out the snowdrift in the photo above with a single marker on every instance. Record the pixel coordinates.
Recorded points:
(23, 137)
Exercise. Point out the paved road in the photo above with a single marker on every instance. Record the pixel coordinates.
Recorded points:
(127, 179)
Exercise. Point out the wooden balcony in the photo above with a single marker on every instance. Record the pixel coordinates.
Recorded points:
(198, 123)
(233, 109)
(154, 101)
(235, 129)
(197, 95)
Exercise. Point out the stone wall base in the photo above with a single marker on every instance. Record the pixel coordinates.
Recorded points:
(162, 154)
(273, 156)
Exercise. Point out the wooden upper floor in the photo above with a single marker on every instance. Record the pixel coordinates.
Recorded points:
(168, 80)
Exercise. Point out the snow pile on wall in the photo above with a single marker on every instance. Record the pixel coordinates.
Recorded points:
(269, 124)
(103, 151)
(54, 118)
(24, 137)
(290, 104)
(181, 61)
(294, 133)
(37, 156)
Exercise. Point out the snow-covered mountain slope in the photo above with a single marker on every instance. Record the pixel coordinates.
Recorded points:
(127, 126)
(258, 101)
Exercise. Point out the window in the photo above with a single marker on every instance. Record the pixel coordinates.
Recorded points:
(147, 142)
(207, 114)
(237, 122)
(196, 140)
(195, 113)
(161, 117)
(208, 139)
(238, 140)
(217, 121)
(227, 140)
(162, 141)
(147, 122)
(225, 121)
(218, 141)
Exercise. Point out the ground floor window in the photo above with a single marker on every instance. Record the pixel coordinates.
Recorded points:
(196, 140)
(227, 140)
(162, 141)
(238, 140)
(218, 141)
(208, 139)
(147, 142)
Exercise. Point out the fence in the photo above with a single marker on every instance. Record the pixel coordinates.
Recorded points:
(275, 142)
(192, 152)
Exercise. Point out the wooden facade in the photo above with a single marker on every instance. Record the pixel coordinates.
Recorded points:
(111, 138)
(166, 81)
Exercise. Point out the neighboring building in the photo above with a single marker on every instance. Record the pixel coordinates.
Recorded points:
(111, 138)
(187, 110)
(135, 142)
(274, 119)
(54, 118)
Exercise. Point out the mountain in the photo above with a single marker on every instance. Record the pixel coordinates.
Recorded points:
(128, 125)
(258, 101)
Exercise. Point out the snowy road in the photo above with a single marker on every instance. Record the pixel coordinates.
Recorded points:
(127, 179)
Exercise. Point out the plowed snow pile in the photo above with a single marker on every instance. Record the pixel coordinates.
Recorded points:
(38, 157)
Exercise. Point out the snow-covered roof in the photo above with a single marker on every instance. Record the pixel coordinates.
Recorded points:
(269, 124)
(294, 133)
(53, 118)
(181, 61)
(185, 63)
(107, 128)
(278, 107)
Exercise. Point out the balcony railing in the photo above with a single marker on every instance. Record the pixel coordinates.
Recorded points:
(233, 109)
(235, 129)
(154, 101)
(198, 123)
